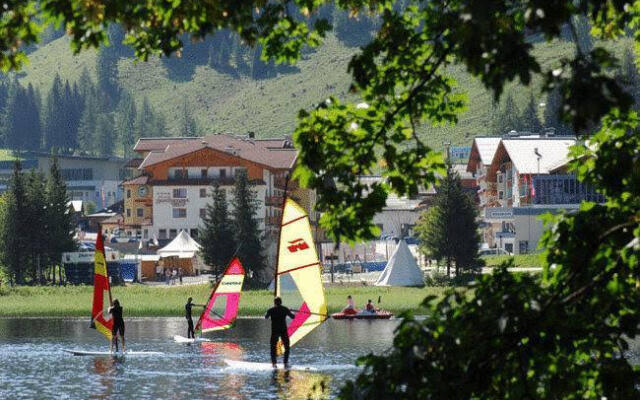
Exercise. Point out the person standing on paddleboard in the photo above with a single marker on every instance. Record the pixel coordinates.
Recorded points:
(278, 315)
(187, 310)
(118, 325)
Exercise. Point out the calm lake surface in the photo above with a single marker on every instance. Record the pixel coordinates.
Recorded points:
(33, 365)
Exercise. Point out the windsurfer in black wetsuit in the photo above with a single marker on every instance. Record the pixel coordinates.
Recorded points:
(278, 315)
(118, 325)
(187, 313)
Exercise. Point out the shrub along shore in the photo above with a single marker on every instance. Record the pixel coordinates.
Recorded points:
(168, 301)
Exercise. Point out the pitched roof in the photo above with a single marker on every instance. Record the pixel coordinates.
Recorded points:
(141, 180)
(160, 143)
(522, 152)
(271, 153)
(486, 147)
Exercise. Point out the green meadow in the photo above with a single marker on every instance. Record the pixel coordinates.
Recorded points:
(168, 301)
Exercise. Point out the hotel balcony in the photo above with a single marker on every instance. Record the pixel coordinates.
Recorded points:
(272, 221)
(274, 201)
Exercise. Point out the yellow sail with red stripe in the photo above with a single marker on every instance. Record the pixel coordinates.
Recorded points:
(100, 319)
(298, 273)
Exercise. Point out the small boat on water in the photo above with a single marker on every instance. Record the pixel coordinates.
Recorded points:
(379, 314)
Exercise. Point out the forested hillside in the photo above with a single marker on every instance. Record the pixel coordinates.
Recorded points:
(100, 102)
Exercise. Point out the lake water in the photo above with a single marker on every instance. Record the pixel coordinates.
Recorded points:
(33, 365)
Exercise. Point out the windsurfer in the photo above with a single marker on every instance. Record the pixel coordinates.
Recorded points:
(278, 315)
(187, 308)
(118, 325)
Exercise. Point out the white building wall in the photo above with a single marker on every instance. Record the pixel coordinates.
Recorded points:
(164, 203)
(392, 220)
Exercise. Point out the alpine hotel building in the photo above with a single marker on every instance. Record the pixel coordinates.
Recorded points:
(176, 176)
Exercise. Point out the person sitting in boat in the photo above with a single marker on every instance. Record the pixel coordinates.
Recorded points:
(118, 325)
(187, 309)
(351, 307)
(278, 314)
(370, 308)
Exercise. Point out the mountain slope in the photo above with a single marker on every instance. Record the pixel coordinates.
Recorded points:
(222, 103)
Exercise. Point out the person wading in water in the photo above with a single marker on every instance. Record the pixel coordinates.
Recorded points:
(118, 325)
(187, 313)
(278, 315)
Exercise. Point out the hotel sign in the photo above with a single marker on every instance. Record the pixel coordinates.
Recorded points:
(498, 213)
(165, 197)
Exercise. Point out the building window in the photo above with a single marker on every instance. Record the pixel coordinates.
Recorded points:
(223, 173)
(523, 246)
(180, 174)
(145, 234)
(203, 173)
(239, 170)
(162, 233)
(128, 193)
(140, 212)
(128, 212)
(180, 193)
(179, 213)
(194, 233)
(173, 233)
(77, 174)
(500, 178)
(501, 195)
(203, 212)
(203, 193)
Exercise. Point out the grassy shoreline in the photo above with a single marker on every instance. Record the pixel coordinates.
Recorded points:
(162, 301)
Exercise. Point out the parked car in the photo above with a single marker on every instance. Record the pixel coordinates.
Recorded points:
(493, 252)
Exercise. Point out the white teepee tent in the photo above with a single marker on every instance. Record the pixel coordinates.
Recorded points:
(401, 269)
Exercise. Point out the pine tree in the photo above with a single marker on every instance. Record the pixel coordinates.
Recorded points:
(126, 126)
(188, 125)
(507, 118)
(247, 233)
(35, 216)
(582, 27)
(628, 74)
(14, 230)
(552, 113)
(216, 233)
(529, 119)
(149, 123)
(54, 124)
(59, 224)
(107, 71)
(87, 125)
(32, 126)
(13, 118)
(448, 230)
(103, 138)
(260, 69)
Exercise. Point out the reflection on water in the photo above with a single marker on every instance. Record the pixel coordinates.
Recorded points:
(229, 385)
(32, 364)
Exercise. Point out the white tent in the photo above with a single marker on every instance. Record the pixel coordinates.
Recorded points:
(401, 269)
(182, 246)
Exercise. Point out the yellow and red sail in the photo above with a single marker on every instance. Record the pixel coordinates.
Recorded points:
(100, 319)
(298, 273)
(221, 310)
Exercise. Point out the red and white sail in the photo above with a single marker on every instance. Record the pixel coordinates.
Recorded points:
(222, 308)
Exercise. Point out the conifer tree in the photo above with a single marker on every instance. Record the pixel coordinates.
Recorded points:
(507, 117)
(247, 233)
(551, 114)
(188, 125)
(448, 231)
(36, 217)
(126, 126)
(628, 74)
(107, 72)
(13, 230)
(104, 138)
(54, 124)
(87, 125)
(32, 126)
(59, 224)
(216, 232)
(529, 119)
(148, 122)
